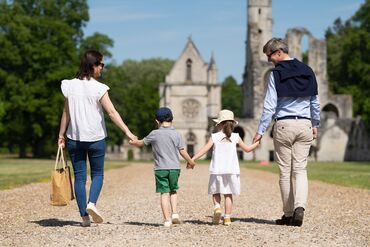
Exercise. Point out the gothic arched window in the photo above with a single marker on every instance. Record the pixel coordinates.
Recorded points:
(188, 69)
(191, 140)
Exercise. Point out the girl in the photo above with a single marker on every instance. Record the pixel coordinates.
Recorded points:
(224, 168)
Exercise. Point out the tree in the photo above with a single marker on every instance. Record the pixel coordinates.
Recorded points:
(2, 114)
(39, 43)
(97, 41)
(348, 46)
(134, 92)
(231, 97)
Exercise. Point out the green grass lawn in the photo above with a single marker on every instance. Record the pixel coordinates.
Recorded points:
(353, 174)
(16, 172)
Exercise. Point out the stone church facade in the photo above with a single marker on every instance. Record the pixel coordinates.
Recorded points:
(192, 92)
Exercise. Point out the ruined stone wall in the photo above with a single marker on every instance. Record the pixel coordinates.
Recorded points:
(337, 109)
(358, 146)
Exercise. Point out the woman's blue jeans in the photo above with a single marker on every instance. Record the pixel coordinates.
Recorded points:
(79, 151)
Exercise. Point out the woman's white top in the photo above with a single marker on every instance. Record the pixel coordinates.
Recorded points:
(85, 111)
(224, 157)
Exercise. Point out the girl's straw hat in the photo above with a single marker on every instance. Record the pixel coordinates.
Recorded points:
(225, 115)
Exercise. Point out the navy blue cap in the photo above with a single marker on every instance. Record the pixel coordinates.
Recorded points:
(164, 114)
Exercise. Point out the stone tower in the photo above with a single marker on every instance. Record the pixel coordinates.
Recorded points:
(259, 31)
(193, 93)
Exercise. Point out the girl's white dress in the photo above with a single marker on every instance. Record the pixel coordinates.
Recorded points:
(224, 168)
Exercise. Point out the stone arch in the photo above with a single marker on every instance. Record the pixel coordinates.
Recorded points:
(305, 49)
(191, 141)
(294, 38)
(330, 111)
(247, 136)
(240, 131)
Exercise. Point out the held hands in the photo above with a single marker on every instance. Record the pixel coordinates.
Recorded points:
(257, 138)
(190, 165)
(133, 142)
(131, 136)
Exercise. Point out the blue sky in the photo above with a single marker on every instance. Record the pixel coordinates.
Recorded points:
(159, 28)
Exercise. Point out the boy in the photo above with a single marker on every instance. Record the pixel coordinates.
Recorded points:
(166, 142)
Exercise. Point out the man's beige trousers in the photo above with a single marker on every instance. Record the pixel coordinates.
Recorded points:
(292, 142)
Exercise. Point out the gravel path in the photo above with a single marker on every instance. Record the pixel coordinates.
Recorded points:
(336, 216)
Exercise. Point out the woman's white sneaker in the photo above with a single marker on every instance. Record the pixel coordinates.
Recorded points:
(94, 213)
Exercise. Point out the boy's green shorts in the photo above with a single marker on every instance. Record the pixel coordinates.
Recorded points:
(166, 180)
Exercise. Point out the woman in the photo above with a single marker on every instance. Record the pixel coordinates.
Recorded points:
(86, 132)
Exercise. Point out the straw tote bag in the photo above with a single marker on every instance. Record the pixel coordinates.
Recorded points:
(61, 182)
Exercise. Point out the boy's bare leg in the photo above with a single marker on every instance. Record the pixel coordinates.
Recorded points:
(173, 199)
(228, 203)
(165, 205)
(175, 216)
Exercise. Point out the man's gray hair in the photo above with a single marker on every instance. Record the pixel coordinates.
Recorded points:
(275, 44)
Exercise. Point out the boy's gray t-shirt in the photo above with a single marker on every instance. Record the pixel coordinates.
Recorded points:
(166, 143)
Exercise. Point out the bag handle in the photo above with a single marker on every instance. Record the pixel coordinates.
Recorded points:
(60, 157)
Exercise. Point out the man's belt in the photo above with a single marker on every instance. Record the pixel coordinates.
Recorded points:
(292, 117)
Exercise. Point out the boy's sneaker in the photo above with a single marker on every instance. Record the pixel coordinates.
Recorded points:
(227, 221)
(167, 223)
(216, 216)
(94, 213)
(176, 219)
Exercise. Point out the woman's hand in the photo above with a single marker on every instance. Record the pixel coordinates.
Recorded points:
(132, 136)
(61, 142)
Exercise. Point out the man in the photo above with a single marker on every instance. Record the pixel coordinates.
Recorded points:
(292, 101)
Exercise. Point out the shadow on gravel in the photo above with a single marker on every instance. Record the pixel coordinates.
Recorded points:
(142, 224)
(255, 220)
(55, 222)
(249, 220)
(198, 222)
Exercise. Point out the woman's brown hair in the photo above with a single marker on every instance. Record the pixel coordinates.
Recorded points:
(89, 59)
